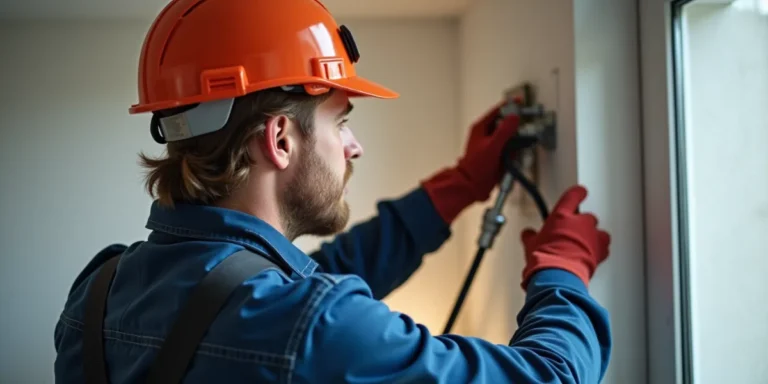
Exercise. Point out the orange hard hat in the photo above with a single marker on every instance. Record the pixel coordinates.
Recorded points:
(200, 51)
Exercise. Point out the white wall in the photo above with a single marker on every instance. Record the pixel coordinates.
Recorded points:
(726, 120)
(71, 184)
(593, 46)
(68, 170)
(610, 165)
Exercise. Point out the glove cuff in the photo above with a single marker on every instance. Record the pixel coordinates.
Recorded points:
(539, 261)
(451, 192)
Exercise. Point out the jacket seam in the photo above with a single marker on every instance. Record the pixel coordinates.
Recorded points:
(207, 349)
(299, 332)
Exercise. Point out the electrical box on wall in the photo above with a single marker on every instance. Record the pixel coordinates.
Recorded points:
(538, 123)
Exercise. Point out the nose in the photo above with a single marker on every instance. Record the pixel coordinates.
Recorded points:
(352, 148)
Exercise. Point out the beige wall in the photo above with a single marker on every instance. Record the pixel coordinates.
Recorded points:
(504, 43)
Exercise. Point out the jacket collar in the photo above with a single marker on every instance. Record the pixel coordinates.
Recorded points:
(221, 224)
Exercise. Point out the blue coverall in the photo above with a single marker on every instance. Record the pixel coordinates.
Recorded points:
(320, 320)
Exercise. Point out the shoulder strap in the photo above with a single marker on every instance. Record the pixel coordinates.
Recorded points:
(93, 328)
(201, 309)
(180, 345)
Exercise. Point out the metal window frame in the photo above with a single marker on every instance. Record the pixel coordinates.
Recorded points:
(670, 351)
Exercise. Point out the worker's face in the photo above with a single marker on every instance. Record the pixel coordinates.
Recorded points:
(314, 200)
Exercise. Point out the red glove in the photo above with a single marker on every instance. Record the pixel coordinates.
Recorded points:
(568, 240)
(477, 172)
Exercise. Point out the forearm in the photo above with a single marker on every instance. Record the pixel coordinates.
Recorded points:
(563, 338)
(388, 248)
(561, 318)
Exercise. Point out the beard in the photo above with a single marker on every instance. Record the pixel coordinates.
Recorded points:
(313, 202)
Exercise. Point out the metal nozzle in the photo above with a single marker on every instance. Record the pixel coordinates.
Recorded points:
(494, 219)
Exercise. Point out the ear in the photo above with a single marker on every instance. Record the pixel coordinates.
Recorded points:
(278, 144)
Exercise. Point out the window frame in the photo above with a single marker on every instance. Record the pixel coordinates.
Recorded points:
(669, 336)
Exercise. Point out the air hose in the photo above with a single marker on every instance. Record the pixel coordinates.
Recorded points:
(494, 217)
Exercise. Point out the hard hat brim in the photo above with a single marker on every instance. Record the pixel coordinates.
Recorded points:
(355, 86)
(358, 86)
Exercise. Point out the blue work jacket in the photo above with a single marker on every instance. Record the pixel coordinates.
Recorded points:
(318, 318)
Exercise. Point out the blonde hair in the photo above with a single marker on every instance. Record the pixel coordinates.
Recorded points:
(207, 168)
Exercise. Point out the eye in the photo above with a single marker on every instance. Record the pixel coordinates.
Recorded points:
(343, 123)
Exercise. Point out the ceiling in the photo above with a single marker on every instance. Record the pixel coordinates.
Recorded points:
(147, 9)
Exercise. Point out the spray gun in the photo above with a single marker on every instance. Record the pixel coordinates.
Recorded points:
(537, 129)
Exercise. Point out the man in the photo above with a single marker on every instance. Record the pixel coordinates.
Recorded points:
(252, 97)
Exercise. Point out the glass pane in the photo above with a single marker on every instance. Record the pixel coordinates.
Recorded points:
(722, 104)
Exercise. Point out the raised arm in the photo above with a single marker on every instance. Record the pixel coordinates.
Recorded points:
(388, 248)
(563, 334)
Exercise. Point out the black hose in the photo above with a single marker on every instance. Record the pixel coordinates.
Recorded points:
(530, 187)
(513, 146)
(464, 289)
